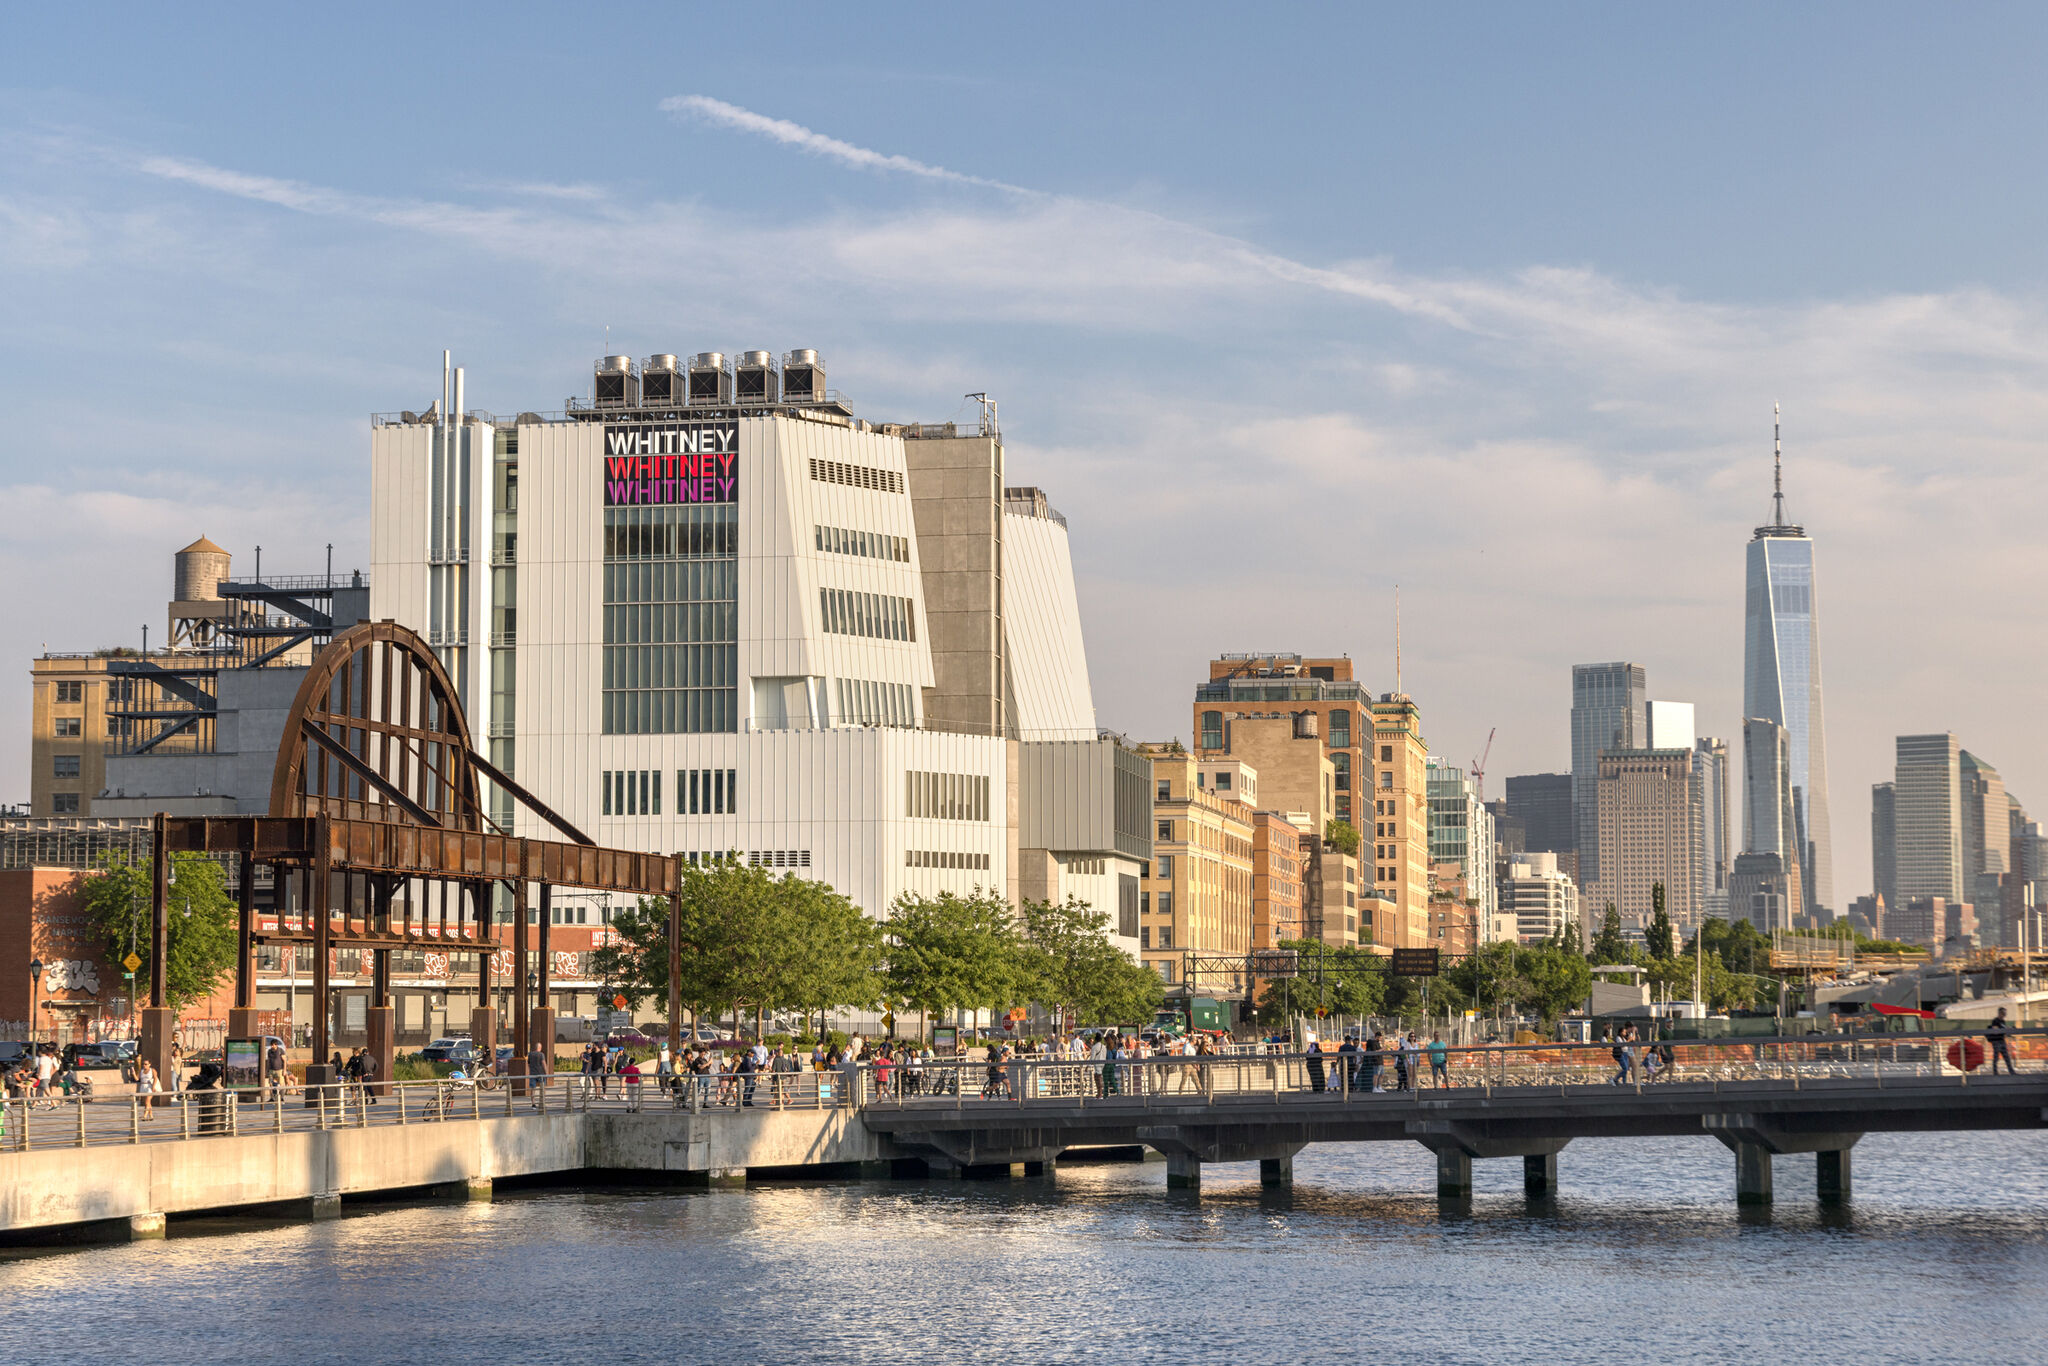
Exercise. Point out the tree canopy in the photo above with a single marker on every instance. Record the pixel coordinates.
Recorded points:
(201, 929)
(1076, 969)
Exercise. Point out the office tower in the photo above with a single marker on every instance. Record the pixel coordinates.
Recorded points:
(1710, 788)
(2023, 868)
(1542, 802)
(1607, 714)
(1928, 818)
(1770, 890)
(1668, 725)
(712, 610)
(1401, 809)
(1647, 837)
(1461, 832)
(1542, 899)
(1781, 678)
(1987, 843)
(1884, 832)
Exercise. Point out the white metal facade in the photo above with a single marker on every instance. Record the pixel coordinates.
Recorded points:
(822, 787)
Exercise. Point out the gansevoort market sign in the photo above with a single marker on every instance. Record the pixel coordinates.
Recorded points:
(662, 465)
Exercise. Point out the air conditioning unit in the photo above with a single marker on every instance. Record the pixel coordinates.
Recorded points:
(617, 386)
(661, 382)
(753, 379)
(710, 384)
(803, 377)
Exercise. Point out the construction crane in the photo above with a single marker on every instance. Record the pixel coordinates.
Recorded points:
(1479, 765)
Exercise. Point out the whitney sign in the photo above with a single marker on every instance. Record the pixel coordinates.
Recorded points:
(691, 462)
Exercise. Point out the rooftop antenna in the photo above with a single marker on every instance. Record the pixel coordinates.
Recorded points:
(1397, 640)
(989, 425)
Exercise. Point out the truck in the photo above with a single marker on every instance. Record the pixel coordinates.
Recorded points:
(1192, 1015)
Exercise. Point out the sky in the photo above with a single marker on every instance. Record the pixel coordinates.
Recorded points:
(1283, 308)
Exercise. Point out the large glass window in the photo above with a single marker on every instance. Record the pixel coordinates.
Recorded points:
(671, 596)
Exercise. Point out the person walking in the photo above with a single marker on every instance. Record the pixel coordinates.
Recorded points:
(1375, 1055)
(1998, 1034)
(1621, 1054)
(1313, 1063)
(177, 1078)
(145, 1087)
(1439, 1061)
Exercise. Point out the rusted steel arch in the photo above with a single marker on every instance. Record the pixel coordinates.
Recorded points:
(377, 733)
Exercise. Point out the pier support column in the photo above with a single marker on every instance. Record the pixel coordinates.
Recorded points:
(326, 1206)
(1276, 1171)
(1183, 1172)
(144, 1227)
(1539, 1174)
(380, 1023)
(939, 1170)
(1831, 1176)
(1752, 1174)
(1037, 1168)
(1453, 1174)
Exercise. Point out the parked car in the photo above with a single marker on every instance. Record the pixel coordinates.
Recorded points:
(14, 1052)
(627, 1038)
(442, 1050)
(104, 1056)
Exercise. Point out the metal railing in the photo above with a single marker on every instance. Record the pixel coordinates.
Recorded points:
(31, 1122)
(1364, 1076)
(1248, 1076)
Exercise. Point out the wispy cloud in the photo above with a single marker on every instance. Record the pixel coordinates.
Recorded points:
(818, 144)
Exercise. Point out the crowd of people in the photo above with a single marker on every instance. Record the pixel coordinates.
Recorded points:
(1364, 1064)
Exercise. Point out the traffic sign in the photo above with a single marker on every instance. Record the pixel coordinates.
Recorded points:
(618, 1003)
(1415, 962)
(132, 961)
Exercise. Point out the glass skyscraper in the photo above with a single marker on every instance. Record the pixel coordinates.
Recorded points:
(1781, 681)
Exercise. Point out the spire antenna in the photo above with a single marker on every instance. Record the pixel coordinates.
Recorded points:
(1777, 471)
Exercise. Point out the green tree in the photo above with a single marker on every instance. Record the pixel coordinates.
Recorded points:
(201, 929)
(1554, 980)
(1488, 977)
(953, 952)
(1608, 945)
(1739, 944)
(1341, 835)
(1659, 939)
(1075, 968)
(747, 937)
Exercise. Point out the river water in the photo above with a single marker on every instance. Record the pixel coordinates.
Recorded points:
(1643, 1257)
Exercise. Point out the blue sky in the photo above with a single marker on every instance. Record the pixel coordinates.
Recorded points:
(1282, 308)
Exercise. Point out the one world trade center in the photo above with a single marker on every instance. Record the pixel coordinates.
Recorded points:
(1781, 679)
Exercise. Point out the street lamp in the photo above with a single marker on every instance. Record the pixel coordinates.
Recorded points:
(35, 977)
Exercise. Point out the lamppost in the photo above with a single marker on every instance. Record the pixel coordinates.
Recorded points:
(35, 977)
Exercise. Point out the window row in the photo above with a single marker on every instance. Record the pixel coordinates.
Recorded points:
(875, 615)
(63, 803)
(671, 581)
(670, 666)
(671, 711)
(866, 703)
(659, 533)
(686, 622)
(944, 858)
(707, 792)
(70, 727)
(779, 858)
(837, 540)
(71, 691)
(946, 796)
(632, 792)
(64, 766)
(856, 476)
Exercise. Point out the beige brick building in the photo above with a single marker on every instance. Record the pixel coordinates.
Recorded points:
(1196, 897)
(1399, 820)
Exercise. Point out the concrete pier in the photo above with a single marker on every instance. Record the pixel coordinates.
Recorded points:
(1453, 1174)
(1832, 1176)
(1539, 1174)
(1276, 1171)
(1752, 1174)
(1183, 1172)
